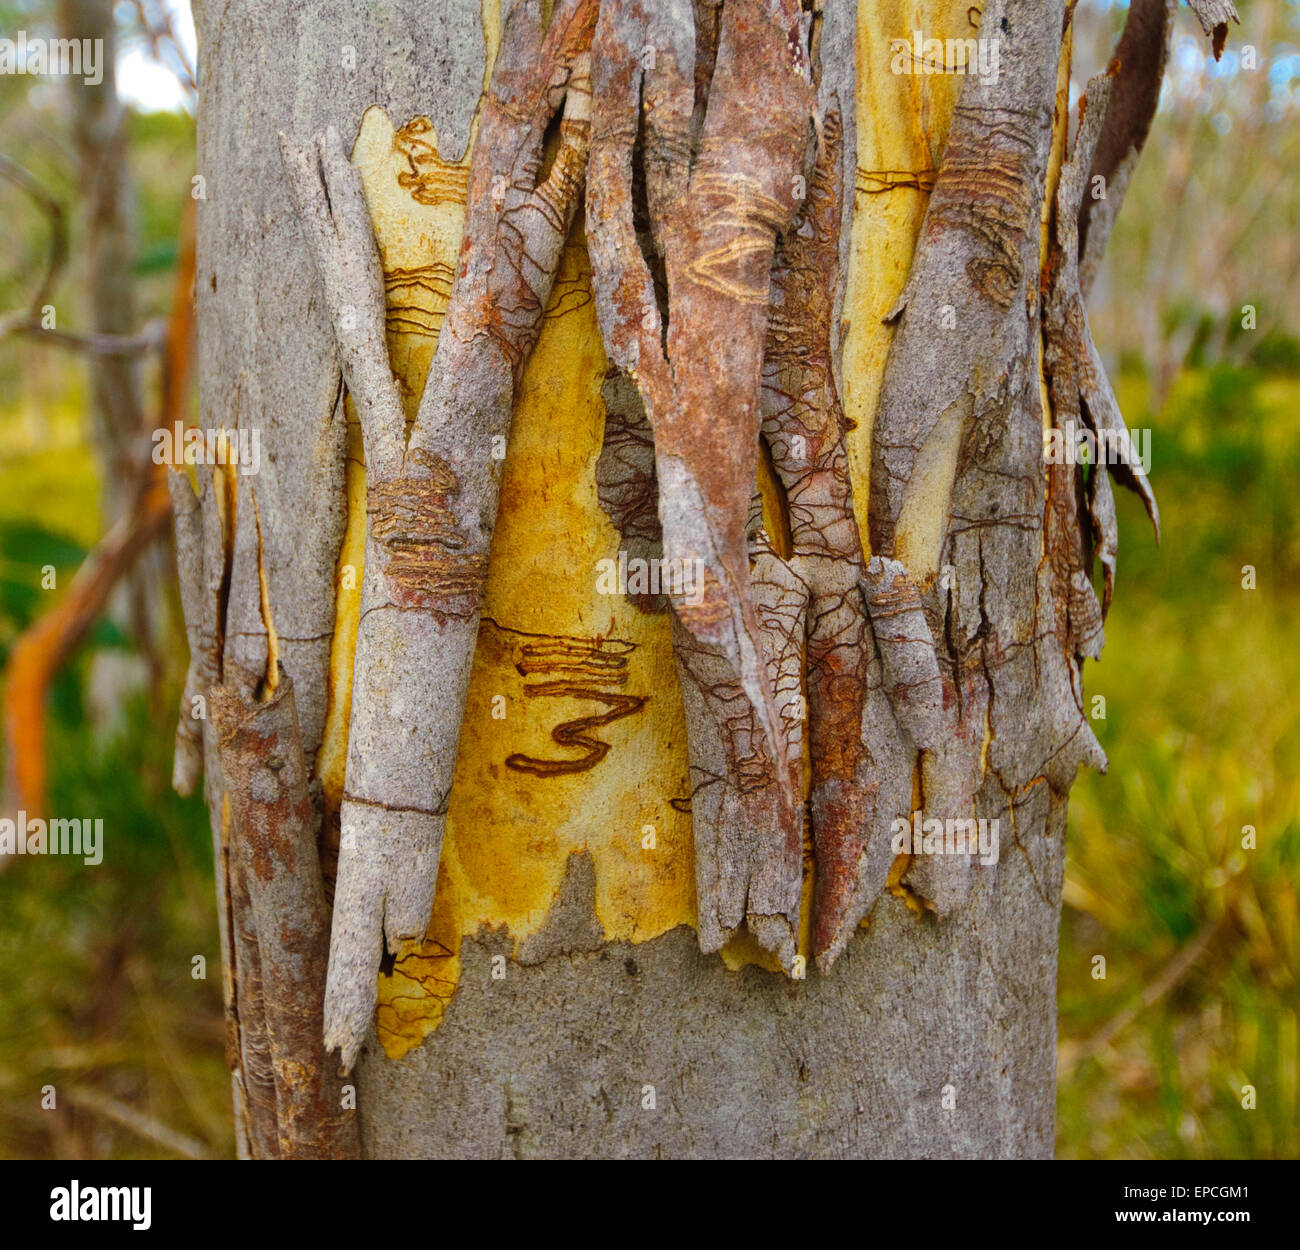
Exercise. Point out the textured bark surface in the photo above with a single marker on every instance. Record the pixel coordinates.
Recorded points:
(559, 1002)
(283, 921)
(432, 498)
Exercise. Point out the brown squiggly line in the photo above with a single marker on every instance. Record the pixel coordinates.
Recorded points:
(881, 181)
(430, 179)
(576, 733)
(604, 661)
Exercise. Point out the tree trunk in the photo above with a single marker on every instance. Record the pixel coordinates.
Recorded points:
(100, 126)
(604, 821)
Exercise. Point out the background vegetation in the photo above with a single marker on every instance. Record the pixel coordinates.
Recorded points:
(1201, 938)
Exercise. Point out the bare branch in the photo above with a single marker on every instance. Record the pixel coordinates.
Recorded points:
(57, 254)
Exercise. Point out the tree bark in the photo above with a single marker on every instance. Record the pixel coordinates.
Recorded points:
(559, 1003)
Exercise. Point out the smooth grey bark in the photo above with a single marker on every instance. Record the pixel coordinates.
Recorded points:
(553, 1060)
(930, 1037)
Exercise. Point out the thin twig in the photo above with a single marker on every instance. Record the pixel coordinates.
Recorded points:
(1170, 976)
(12, 172)
(99, 1103)
(158, 30)
(152, 337)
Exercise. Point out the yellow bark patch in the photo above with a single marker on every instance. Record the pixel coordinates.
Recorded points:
(901, 123)
(552, 651)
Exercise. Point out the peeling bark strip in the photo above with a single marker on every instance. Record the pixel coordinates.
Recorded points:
(1214, 16)
(1138, 68)
(723, 146)
(803, 426)
(960, 405)
(1081, 396)
(1137, 71)
(282, 921)
(432, 500)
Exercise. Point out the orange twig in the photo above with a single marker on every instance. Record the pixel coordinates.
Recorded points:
(45, 646)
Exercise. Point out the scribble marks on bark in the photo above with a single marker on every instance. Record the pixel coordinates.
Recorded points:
(625, 478)
(428, 178)
(580, 669)
(427, 563)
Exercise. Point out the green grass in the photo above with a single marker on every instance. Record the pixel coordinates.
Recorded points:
(97, 962)
(1201, 937)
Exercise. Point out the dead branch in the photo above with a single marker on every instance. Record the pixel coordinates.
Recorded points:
(57, 255)
(45, 646)
(99, 1103)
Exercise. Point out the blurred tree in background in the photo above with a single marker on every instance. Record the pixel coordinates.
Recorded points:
(1201, 325)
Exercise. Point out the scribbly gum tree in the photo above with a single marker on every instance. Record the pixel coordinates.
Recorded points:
(519, 851)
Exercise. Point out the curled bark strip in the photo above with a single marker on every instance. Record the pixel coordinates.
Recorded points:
(432, 499)
(803, 429)
(281, 916)
(1105, 531)
(1081, 393)
(1214, 16)
(1078, 614)
(1102, 412)
(1137, 70)
(720, 187)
